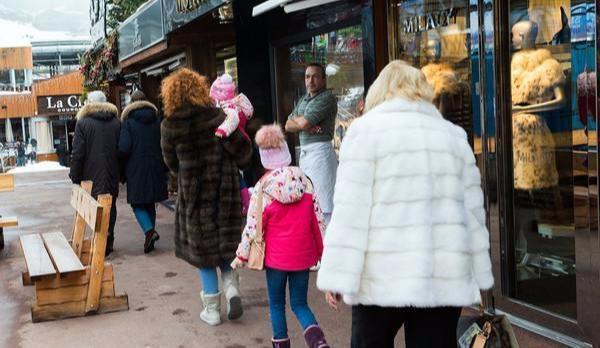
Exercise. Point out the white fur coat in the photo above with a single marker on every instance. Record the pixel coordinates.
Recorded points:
(408, 225)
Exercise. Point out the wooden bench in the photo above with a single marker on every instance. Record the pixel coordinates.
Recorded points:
(10, 221)
(7, 182)
(71, 278)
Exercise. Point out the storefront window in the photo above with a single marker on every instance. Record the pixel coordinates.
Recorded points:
(341, 53)
(547, 136)
(434, 36)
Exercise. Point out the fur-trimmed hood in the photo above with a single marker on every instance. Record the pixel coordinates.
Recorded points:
(91, 109)
(137, 106)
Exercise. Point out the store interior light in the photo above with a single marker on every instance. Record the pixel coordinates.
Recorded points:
(303, 5)
(268, 6)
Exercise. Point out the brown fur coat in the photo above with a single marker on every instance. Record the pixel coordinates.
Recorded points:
(208, 219)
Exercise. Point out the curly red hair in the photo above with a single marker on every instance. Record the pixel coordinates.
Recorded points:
(185, 87)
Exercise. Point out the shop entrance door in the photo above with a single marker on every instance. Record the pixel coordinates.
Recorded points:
(340, 51)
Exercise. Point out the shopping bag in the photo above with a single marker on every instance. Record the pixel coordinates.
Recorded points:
(256, 258)
(486, 331)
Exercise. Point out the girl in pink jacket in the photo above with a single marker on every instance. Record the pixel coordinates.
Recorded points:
(292, 226)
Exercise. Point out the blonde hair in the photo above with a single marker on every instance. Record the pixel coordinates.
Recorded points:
(398, 80)
(184, 87)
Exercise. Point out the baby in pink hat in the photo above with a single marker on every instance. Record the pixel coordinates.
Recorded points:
(238, 108)
(238, 111)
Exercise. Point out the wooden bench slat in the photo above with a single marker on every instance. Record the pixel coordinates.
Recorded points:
(9, 221)
(61, 253)
(7, 182)
(85, 205)
(36, 257)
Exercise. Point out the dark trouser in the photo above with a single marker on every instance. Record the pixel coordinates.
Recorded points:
(112, 222)
(376, 327)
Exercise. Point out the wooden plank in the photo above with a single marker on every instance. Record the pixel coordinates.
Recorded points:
(36, 257)
(77, 309)
(79, 225)
(7, 182)
(85, 205)
(61, 253)
(71, 294)
(100, 237)
(86, 255)
(73, 279)
(64, 84)
(26, 279)
(10, 221)
(18, 58)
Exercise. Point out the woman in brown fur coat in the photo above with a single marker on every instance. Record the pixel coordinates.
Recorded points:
(208, 218)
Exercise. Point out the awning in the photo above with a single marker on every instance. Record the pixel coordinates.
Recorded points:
(288, 5)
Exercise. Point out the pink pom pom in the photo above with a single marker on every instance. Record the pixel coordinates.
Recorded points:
(270, 137)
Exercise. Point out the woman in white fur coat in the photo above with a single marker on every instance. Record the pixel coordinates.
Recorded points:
(407, 243)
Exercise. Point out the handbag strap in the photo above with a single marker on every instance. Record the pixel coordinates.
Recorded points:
(259, 216)
(483, 336)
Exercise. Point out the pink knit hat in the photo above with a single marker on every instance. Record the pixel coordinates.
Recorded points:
(273, 149)
(223, 88)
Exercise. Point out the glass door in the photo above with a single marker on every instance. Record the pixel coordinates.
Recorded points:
(545, 68)
(435, 36)
(340, 52)
(548, 141)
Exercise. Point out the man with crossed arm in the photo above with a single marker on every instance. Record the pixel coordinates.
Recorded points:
(314, 118)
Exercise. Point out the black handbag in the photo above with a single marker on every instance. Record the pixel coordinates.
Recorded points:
(485, 331)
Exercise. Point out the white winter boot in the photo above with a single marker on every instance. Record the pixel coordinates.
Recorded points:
(231, 287)
(211, 314)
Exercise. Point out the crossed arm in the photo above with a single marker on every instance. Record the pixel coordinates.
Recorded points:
(297, 124)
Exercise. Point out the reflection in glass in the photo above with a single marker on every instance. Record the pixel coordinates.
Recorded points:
(545, 132)
(341, 53)
(434, 36)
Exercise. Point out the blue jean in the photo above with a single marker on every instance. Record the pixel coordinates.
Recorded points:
(145, 214)
(276, 283)
(209, 278)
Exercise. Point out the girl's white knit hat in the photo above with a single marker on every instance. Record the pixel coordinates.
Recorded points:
(273, 149)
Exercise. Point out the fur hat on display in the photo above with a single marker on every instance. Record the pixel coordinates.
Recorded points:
(223, 88)
(273, 149)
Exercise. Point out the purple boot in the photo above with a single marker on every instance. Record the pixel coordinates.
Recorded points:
(315, 338)
(281, 343)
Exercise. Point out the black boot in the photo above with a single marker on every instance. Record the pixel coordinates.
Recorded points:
(151, 237)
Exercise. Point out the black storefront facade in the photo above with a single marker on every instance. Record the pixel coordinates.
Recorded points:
(520, 77)
(534, 131)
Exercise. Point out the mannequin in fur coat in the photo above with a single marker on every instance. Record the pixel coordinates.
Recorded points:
(451, 96)
(537, 81)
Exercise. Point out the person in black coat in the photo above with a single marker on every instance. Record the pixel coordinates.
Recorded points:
(145, 171)
(95, 152)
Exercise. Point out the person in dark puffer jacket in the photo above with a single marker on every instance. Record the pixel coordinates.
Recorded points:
(145, 171)
(208, 219)
(95, 152)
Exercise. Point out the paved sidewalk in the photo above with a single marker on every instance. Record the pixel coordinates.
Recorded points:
(163, 290)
